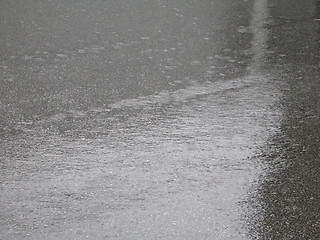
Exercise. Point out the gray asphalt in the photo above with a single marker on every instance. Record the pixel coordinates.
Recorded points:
(159, 119)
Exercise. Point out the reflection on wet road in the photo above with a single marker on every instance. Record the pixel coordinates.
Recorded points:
(143, 168)
(287, 202)
(145, 125)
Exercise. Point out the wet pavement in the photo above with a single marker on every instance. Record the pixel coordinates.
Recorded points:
(290, 190)
(159, 119)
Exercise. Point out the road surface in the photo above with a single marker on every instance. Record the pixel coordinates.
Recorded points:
(159, 119)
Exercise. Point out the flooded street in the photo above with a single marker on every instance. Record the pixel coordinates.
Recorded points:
(159, 119)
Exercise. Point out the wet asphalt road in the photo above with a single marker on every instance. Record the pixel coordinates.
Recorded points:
(159, 119)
